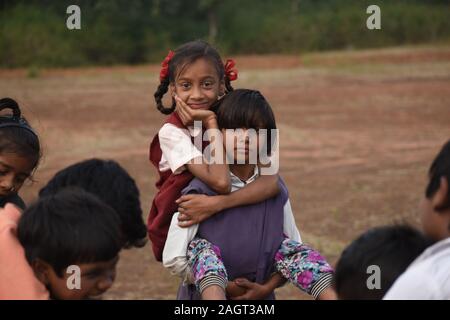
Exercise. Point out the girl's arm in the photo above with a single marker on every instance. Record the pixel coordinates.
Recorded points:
(216, 174)
(264, 187)
(196, 208)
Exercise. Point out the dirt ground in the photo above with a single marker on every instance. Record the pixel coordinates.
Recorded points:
(358, 132)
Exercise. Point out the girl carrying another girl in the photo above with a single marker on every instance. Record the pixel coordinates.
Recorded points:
(245, 251)
(197, 78)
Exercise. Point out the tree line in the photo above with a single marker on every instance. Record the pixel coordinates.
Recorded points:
(34, 32)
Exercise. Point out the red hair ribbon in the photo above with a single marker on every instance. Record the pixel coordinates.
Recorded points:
(230, 71)
(165, 66)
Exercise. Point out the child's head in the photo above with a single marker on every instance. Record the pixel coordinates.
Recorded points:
(110, 183)
(383, 251)
(20, 149)
(436, 204)
(246, 112)
(196, 73)
(69, 228)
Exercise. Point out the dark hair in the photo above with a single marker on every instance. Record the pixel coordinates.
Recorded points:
(245, 108)
(391, 248)
(70, 227)
(439, 168)
(16, 135)
(113, 185)
(185, 55)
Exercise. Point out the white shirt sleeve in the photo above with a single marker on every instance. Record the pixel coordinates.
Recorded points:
(177, 147)
(289, 226)
(175, 249)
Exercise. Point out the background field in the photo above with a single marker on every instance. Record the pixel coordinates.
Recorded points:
(358, 132)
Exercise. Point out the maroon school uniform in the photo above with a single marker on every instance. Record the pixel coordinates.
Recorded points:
(169, 188)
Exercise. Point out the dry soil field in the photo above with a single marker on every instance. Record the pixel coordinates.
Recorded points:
(358, 132)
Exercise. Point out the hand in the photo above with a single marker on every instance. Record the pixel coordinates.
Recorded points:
(189, 115)
(195, 208)
(233, 290)
(253, 290)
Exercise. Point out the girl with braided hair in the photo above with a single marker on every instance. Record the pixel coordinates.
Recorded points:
(196, 78)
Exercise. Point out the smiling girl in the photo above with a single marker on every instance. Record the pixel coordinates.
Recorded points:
(19, 153)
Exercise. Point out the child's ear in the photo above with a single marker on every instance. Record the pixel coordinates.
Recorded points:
(440, 198)
(41, 270)
(172, 89)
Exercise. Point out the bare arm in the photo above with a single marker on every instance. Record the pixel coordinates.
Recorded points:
(264, 187)
(196, 208)
(216, 174)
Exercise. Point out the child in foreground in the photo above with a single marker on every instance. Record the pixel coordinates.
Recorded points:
(112, 184)
(428, 277)
(71, 228)
(384, 252)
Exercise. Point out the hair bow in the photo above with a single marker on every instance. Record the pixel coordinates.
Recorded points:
(165, 66)
(230, 71)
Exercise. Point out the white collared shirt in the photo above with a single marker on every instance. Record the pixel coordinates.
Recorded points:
(178, 239)
(427, 278)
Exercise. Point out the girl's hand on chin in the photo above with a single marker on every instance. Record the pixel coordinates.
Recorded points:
(189, 115)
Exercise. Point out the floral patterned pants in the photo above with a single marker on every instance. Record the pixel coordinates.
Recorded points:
(300, 264)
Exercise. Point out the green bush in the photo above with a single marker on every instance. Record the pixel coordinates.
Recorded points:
(34, 33)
